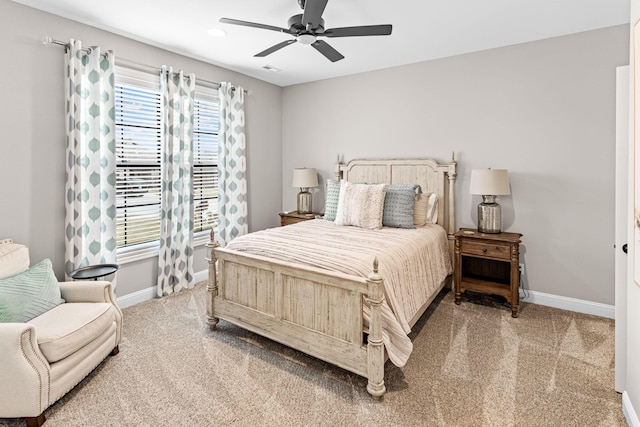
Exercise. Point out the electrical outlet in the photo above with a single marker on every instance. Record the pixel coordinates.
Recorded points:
(522, 269)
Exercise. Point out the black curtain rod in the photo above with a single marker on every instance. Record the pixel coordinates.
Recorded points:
(49, 40)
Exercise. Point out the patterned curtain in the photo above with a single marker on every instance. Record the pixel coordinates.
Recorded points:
(175, 261)
(232, 165)
(90, 222)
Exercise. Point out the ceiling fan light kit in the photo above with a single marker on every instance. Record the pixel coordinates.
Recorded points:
(308, 26)
(306, 38)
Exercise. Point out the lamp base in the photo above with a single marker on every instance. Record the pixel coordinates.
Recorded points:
(304, 201)
(489, 216)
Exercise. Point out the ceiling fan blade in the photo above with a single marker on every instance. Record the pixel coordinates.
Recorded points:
(325, 49)
(365, 30)
(313, 10)
(275, 47)
(254, 25)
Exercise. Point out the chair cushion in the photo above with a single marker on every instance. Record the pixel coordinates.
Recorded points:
(29, 293)
(70, 326)
(13, 258)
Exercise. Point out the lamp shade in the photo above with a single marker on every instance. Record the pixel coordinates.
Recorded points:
(494, 182)
(305, 177)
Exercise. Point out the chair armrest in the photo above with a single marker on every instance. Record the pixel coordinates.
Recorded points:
(24, 372)
(92, 291)
(87, 291)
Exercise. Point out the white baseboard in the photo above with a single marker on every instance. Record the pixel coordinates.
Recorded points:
(137, 297)
(629, 413)
(571, 304)
(151, 292)
(550, 300)
(201, 276)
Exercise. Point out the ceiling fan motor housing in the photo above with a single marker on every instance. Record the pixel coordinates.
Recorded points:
(296, 25)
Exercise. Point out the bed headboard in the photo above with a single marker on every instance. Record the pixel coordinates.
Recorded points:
(429, 174)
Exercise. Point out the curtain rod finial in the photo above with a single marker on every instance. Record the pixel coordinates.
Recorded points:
(47, 40)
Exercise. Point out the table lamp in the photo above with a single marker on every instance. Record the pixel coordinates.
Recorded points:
(489, 183)
(304, 178)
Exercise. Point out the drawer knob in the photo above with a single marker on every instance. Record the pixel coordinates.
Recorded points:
(484, 250)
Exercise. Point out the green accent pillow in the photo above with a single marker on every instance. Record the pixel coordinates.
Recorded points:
(398, 205)
(331, 203)
(29, 294)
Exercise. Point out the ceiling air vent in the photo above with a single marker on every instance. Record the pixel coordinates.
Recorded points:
(271, 68)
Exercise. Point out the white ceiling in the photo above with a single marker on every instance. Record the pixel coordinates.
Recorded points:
(422, 29)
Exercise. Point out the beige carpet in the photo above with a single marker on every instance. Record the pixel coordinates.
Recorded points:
(473, 365)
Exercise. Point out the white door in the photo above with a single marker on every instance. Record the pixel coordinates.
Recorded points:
(622, 222)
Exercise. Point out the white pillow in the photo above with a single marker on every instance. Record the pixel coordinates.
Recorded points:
(361, 205)
(425, 209)
(14, 258)
(432, 209)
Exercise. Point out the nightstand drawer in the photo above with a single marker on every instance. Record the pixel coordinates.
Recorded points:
(291, 220)
(493, 250)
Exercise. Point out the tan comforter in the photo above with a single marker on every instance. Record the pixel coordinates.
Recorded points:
(413, 263)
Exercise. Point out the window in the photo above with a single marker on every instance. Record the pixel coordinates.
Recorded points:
(138, 139)
(138, 153)
(206, 124)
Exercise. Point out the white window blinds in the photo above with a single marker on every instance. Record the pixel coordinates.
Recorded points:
(205, 159)
(138, 144)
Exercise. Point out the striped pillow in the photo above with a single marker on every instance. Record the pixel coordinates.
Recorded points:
(425, 209)
(29, 294)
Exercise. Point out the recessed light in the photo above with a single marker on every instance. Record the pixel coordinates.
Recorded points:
(216, 32)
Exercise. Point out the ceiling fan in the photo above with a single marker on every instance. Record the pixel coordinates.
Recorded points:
(308, 26)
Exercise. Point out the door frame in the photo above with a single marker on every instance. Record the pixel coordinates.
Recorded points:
(621, 225)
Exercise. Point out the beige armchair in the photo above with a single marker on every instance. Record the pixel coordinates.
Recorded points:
(44, 358)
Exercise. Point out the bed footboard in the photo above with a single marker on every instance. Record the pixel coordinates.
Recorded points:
(312, 310)
(212, 280)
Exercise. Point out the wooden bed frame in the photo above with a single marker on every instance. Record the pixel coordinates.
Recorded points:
(316, 311)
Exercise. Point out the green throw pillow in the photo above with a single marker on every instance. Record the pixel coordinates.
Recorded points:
(398, 205)
(331, 202)
(29, 294)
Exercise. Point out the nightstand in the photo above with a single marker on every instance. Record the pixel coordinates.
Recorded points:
(287, 218)
(488, 263)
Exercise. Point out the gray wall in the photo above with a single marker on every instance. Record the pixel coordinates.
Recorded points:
(32, 134)
(543, 110)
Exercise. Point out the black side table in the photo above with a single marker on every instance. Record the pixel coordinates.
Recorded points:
(93, 271)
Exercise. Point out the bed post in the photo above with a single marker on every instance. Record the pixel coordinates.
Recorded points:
(212, 282)
(338, 172)
(451, 221)
(375, 345)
